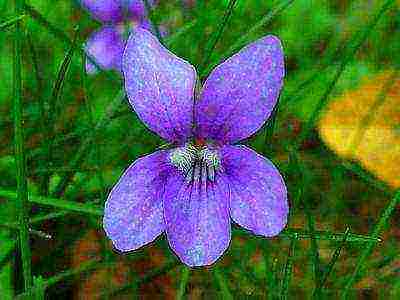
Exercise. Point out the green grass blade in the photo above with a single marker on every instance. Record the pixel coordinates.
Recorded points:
(89, 113)
(388, 211)
(30, 10)
(83, 267)
(223, 285)
(42, 284)
(154, 273)
(329, 268)
(328, 236)
(367, 177)
(269, 130)
(184, 281)
(57, 203)
(49, 216)
(11, 21)
(40, 87)
(52, 113)
(87, 141)
(216, 36)
(302, 198)
(22, 188)
(287, 273)
(368, 118)
(362, 36)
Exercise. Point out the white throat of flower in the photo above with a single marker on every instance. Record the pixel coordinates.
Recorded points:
(196, 162)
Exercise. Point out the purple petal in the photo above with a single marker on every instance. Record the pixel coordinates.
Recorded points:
(240, 94)
(258, 193)
(197, 219)
(159, 86)
(137, 9)
(105, 10)
(133, 214)
(105, 47)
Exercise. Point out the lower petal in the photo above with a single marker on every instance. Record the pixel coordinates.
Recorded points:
(105, 47)
(133, 214)
(197, 219)
(258, 193)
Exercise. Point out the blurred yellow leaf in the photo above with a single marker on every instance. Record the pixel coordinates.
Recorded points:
(364, 125)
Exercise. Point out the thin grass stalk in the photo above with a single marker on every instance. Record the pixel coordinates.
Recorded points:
(367, 177)
(287, 273)
(301, 197)
(210, 47)
(269, 271)
(89, 113)
(82, 208)
(52, 114)
(269, 130)
(11, 21)
(42, 284)
(333, 51)
(50, 216)
(42, 109)
(223, 285)
(368, 118)
(145, 278)
(329, 268)
(84, 148)
(97, 155)
(22, 204)
(183, 284)
(378, 228)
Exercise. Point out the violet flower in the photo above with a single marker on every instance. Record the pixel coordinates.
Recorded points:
(106, 45)
(192, 192)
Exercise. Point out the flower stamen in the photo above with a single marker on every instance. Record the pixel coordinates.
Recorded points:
(196, 162)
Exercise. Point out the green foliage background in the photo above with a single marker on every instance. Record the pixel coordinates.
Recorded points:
(80, 134)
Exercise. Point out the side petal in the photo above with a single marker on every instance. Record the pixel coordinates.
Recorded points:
(105, 46)
(197, 219)
(104, 10)
(240, 94)
(159, 86)
(258, 193)
(133, 214)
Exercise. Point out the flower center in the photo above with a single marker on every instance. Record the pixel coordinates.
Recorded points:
(197, 162)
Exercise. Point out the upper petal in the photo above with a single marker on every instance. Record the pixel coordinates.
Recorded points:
(104, 10)
(133, 214)
(159, 86)
(105, 46)
(240, 94)
(258, 193)
(197, 219)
